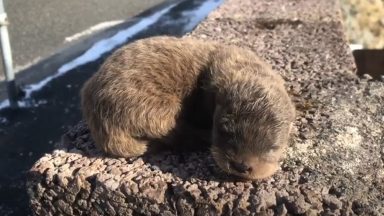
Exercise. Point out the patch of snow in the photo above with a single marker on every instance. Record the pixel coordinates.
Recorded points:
(6, 103)
(23, 103)
(37, 86)
(3, 120)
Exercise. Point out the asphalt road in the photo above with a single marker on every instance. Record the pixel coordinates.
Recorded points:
(39, 28)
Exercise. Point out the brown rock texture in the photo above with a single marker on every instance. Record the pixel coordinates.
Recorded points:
(335, 163)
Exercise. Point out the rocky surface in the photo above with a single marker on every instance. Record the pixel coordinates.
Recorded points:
(335, 163)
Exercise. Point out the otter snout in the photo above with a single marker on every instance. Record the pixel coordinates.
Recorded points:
(240, 167)
(253, 167)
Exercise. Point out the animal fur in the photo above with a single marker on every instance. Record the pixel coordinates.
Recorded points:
(167, 91)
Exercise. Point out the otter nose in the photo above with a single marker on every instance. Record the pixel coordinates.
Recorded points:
(240, 167)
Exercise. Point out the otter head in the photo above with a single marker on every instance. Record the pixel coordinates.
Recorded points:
(249, 138)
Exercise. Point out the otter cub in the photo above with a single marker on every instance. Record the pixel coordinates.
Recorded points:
(143, 94)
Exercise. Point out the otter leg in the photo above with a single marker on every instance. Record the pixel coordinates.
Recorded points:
(132, 130)
(112, 138)
(119, 143)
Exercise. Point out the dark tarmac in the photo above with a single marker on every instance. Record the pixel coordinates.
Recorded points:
(27, 133)
(38, 28)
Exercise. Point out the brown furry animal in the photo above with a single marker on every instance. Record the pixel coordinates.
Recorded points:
(169, 91)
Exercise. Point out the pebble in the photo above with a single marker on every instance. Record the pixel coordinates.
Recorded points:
(332, 202)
